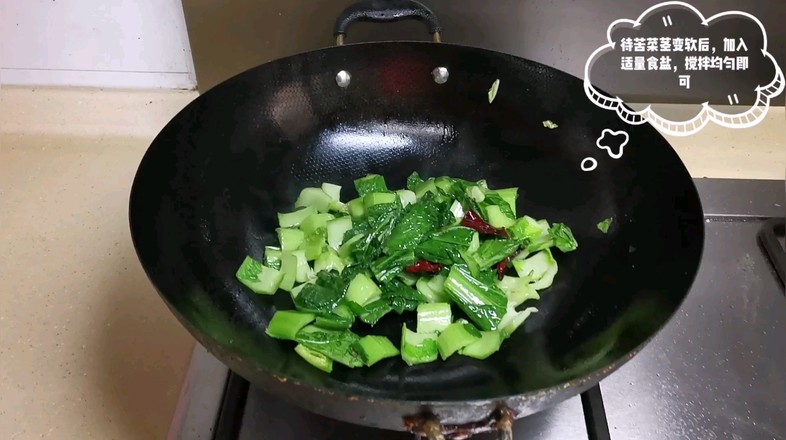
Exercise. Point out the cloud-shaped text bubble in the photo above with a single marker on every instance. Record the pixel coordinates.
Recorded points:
(672, 48)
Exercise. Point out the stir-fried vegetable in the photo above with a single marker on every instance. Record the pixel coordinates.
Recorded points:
(604, 225)
(452, 251)
(493, 90)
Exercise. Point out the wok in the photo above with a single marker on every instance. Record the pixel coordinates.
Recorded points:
(207, 191)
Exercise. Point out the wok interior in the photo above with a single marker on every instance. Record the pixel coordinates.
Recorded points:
(209, 188)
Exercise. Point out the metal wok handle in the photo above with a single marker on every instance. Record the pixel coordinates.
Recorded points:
(386, 11)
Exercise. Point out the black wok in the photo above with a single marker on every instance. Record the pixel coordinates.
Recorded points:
(207, 191)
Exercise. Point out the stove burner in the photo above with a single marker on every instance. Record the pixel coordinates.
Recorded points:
(230, 417)
(768, 238)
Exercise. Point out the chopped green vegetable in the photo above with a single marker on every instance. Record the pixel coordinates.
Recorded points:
(273, 257)
(605, 225)
(484, 303)
(375, 232)
(402, 297)
(509, 195)
(356, 207)
(427, 290)
(373, 349)
(315, 198)
(413, 181)
(346, 249)
(417, 223)
(349, 265)
(295, 218)
(455, 337)
(332, 190)
(542, 241)
(372, 199)
(351, 270)
(269, 280)
(437, 284)
(290, 239)
(418, 348)
(362, 290)
(540, 268)
(493, 90)
(488, 344)
(314, 244)
(336, 229)
(315, 222)
(295, 291)
(433, 317)
(387, 267)
(333, 322)
(289, 264)
(406, 197)
(513, 319)
(371, 313)
(329, 260)
(457, 209)
(472, 264)
(342, 317)
(425, 187)
(286, 323)
(518, 290)
(260, 279)
(335, 344)
(444, 247)
(303, 271)
(476, 193)
(493, 251)
(527, 229)
(315, 358)
(549, 124)
(323, 295)
(371, 183)
(494, 205)
(444, 183)
(498, 218)
(408, 278)
(563, 237)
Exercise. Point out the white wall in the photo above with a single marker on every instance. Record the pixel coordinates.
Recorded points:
(95, 43)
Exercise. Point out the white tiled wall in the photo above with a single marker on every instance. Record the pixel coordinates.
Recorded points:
(95, 43)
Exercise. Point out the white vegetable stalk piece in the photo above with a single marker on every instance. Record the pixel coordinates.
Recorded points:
(457, 210)
(493, 90)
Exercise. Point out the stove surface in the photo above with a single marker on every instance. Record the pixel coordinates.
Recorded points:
(716, 371)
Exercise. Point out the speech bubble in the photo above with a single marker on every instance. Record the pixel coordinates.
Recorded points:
(660, 15)
(613, 142)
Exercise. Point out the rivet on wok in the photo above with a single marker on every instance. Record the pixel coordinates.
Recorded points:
(343, 78)
(440, 75)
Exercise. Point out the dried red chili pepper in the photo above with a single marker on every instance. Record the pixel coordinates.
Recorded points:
(423, 266)
(502, 266)
(473, 220)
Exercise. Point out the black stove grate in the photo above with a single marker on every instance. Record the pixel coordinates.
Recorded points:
(233, 404)
(769, 235)
(595, 414)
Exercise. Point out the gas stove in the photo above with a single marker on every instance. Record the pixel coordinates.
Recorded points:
(716, 371)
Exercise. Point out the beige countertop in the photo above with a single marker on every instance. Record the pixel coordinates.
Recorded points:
(87, 348)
